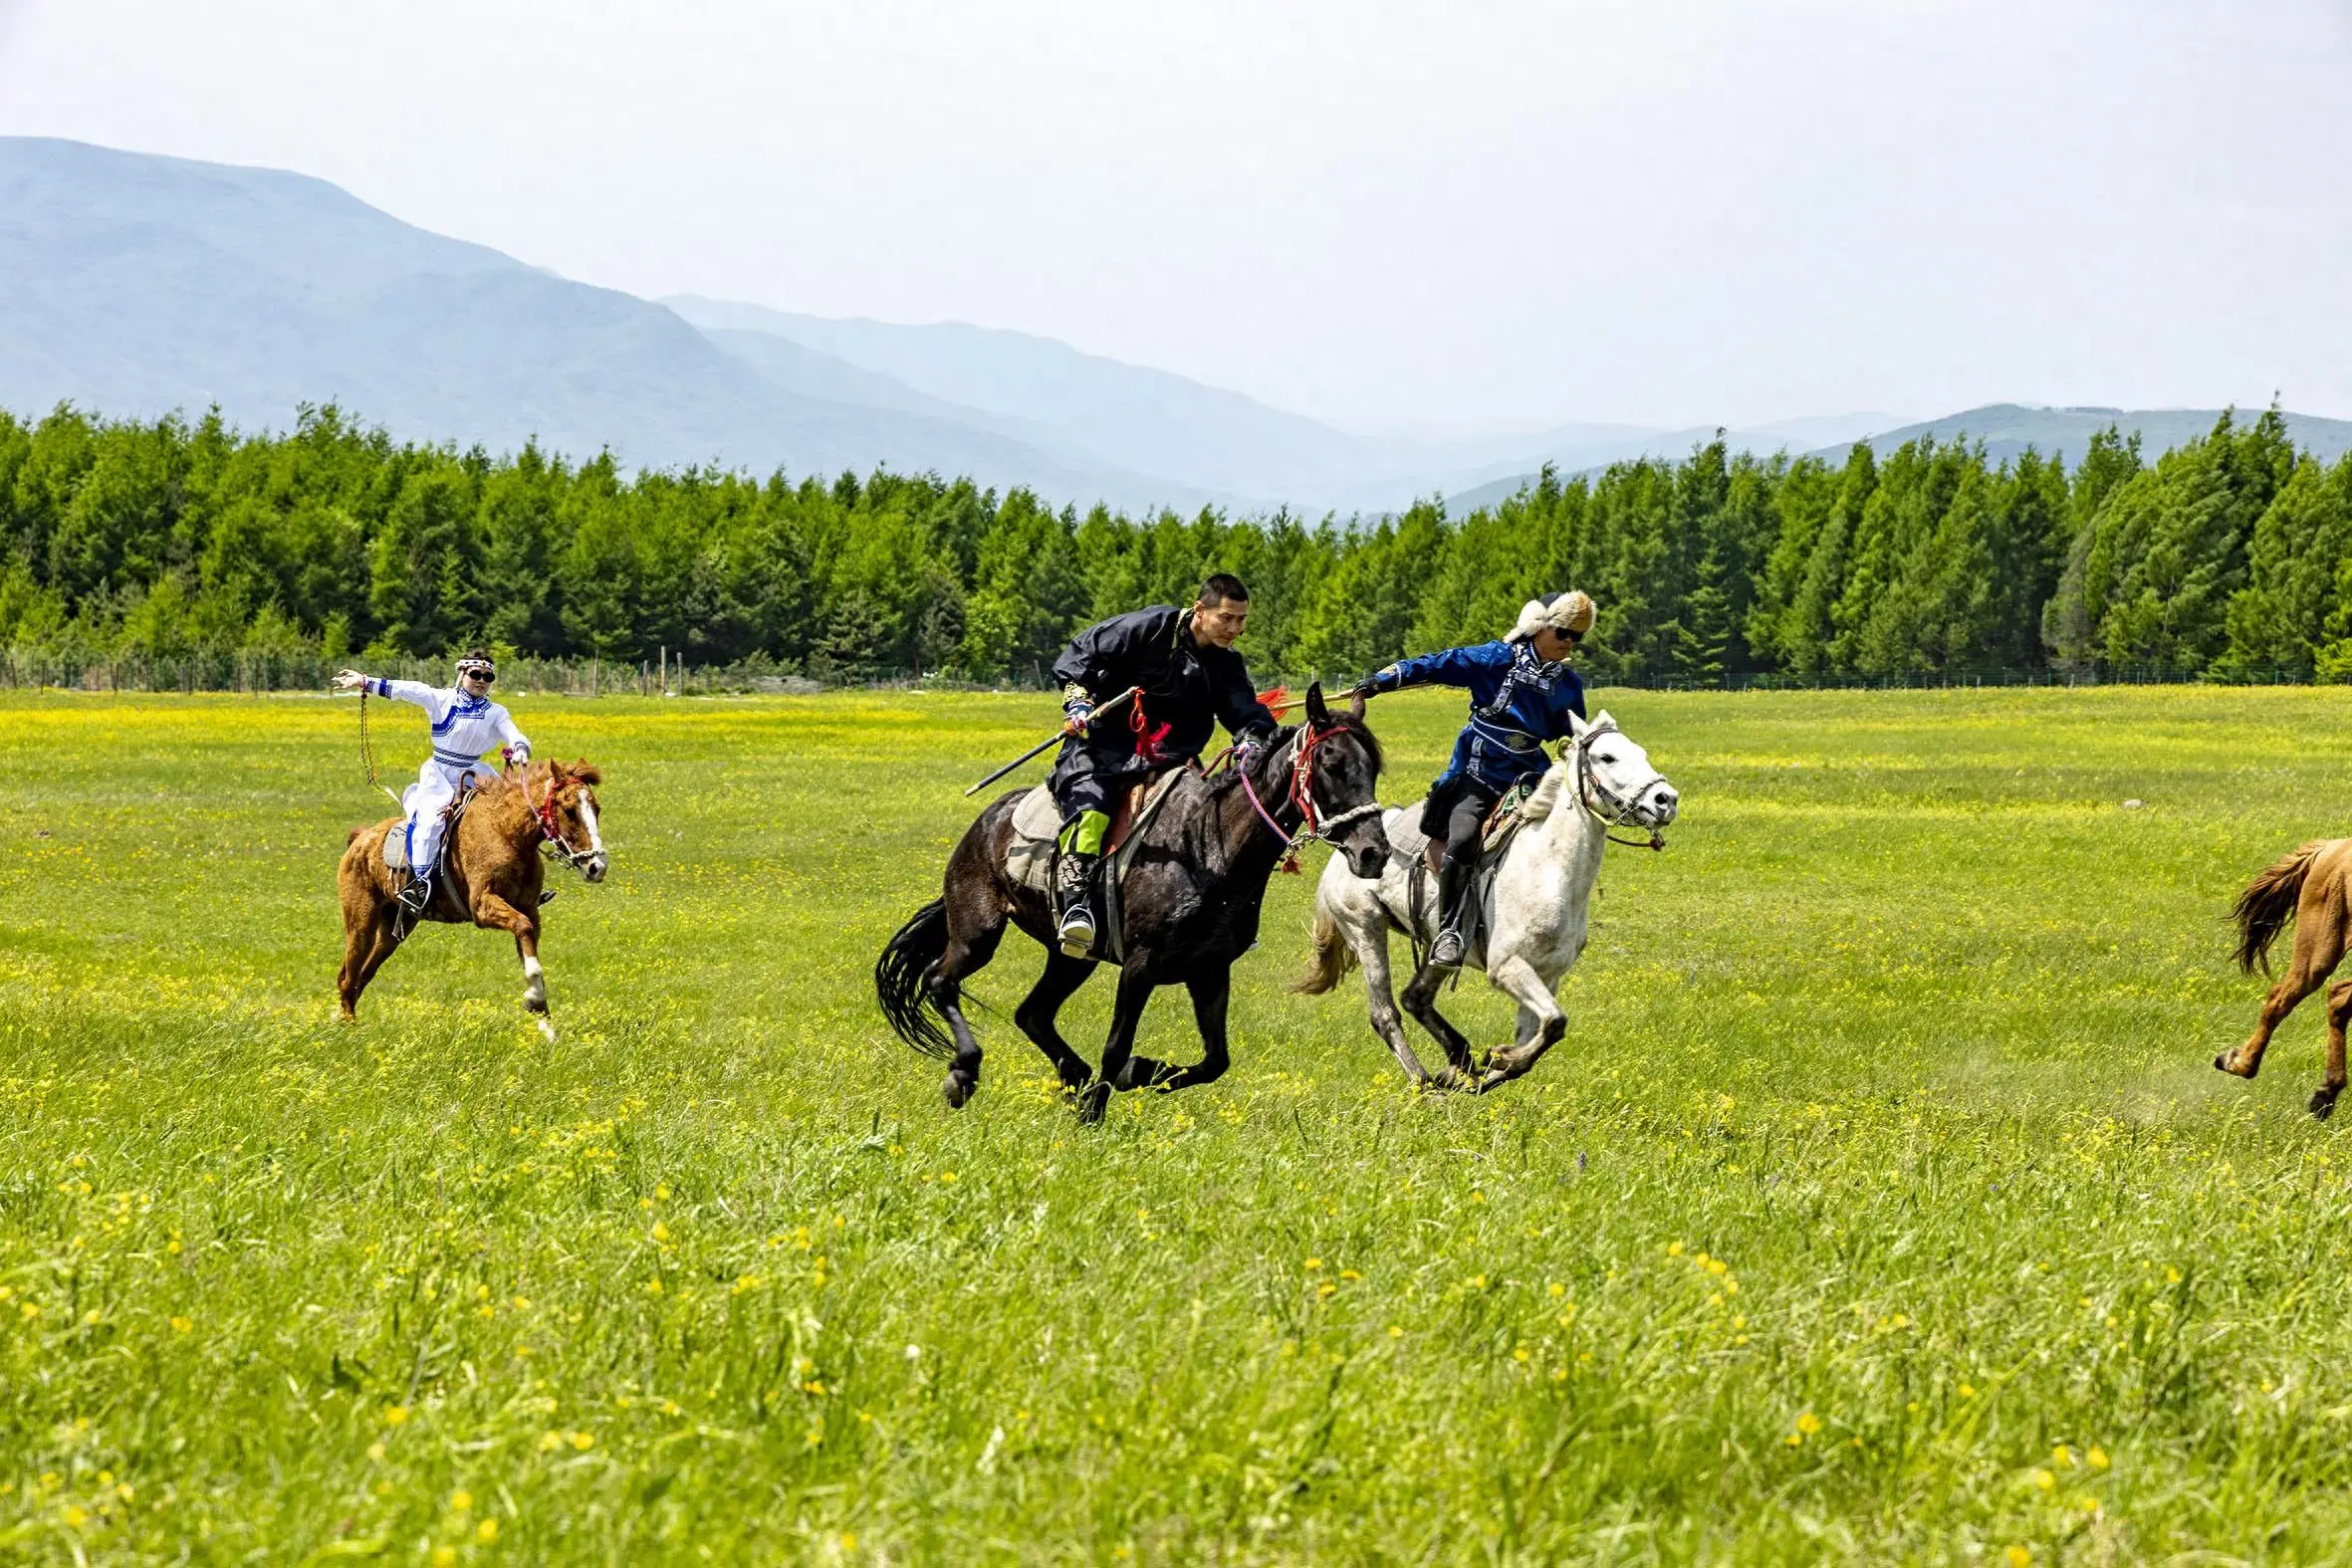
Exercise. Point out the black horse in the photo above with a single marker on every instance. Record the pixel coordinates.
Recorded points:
(1190, 905)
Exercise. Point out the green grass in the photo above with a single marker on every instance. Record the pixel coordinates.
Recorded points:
(1879, 1193)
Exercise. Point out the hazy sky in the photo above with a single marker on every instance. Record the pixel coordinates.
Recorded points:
(1448, 215)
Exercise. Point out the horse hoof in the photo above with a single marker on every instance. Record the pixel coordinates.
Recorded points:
(547, 1027)
(2323, 1103)
(1092, 1103)
(2222, 1061)
(959, 1090)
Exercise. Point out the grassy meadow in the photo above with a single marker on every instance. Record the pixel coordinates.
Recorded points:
(1880, 1205)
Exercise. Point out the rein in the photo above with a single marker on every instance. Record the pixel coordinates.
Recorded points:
(1598, 803)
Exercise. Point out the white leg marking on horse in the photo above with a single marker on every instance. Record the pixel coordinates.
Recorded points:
(548, 1029)
(534, 987)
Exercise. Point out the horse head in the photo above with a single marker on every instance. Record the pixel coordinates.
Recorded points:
(565, 806)
(1613, 775)
(1344, 781)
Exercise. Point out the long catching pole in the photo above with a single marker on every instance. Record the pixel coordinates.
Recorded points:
(1051, 741)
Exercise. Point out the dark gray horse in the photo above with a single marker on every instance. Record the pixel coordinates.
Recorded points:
(1190, 905)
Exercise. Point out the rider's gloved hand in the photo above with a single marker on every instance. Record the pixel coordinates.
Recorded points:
(1246, 749)
(1077, 710)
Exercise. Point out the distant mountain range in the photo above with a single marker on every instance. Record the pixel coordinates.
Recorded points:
(2005, 429)
(133, 284)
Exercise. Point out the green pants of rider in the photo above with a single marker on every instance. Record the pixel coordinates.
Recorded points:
(1083, 833)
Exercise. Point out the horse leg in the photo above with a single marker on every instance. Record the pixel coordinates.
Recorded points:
(1420, 1001)
(2319, 948)
(1371, 953)
(366, 947)
(1126, 1018)
(2339, 1013)
(1038, 1011)
(1541, 1023)
(494, 913)
(1211, 991)
(968, 948)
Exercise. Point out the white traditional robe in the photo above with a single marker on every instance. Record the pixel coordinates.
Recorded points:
(463, 729)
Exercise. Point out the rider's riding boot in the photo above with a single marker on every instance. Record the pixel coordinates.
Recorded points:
(1452, 901)
(416, 894)
(1071, 877)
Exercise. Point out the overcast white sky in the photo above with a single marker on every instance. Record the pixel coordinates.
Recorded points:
(1452, 214)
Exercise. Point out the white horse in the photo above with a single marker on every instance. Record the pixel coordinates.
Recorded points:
(1535, 906)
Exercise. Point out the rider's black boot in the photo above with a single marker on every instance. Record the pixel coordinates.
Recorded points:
(1074, 874)
(416, 894)
(1454, 882)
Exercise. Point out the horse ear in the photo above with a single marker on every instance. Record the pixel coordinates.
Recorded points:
(586, 772)
(1356, 706)
(1576, 727)
(1603, 720)
(1317, 711)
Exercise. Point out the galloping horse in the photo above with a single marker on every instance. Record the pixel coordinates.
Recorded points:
(1189, 907)
(1535, 909)
(492, 874)
(2313, 888)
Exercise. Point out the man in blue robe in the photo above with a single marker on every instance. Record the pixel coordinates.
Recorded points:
(1522, 693)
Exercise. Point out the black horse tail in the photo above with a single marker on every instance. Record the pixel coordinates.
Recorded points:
(900, 971)
(2269, 903)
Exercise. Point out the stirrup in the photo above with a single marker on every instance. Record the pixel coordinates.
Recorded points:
(545, 894)
(1447, 951)
(1076, 932)
(416, 895)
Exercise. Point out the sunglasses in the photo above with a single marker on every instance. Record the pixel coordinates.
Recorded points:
(484, 676)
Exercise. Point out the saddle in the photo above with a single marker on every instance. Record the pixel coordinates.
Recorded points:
(396, 845)
(1427, 856)
(1037, 824)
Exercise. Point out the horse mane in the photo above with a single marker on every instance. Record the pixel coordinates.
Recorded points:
(1540, 804)
(1227, 779)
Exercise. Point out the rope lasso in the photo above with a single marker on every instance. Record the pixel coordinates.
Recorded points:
(368, 751)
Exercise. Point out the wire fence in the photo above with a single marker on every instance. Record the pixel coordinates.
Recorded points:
(664, 675)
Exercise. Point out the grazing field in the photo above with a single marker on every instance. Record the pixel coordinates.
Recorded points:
(1880, 1203)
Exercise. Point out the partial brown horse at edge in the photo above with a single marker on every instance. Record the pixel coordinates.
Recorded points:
(2313, 888)
(491, 876)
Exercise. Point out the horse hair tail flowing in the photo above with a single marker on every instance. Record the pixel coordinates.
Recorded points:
(1332, 957)
(899, 974)
(2268, 904)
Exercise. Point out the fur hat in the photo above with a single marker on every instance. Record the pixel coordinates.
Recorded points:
(1569, 611)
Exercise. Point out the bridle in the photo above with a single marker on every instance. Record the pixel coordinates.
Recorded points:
(552, 841)
(1599, 803)
(1312, 825)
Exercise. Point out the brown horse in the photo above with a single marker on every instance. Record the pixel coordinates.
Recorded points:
(2313, 888)
(491, 875)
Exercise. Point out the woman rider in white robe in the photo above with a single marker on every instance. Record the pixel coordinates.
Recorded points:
(465, 724)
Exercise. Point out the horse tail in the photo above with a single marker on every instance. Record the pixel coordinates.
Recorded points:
(2269, 903)
(900, 971)
(1333, 958)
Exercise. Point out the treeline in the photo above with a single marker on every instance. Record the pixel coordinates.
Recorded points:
(120, 538)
